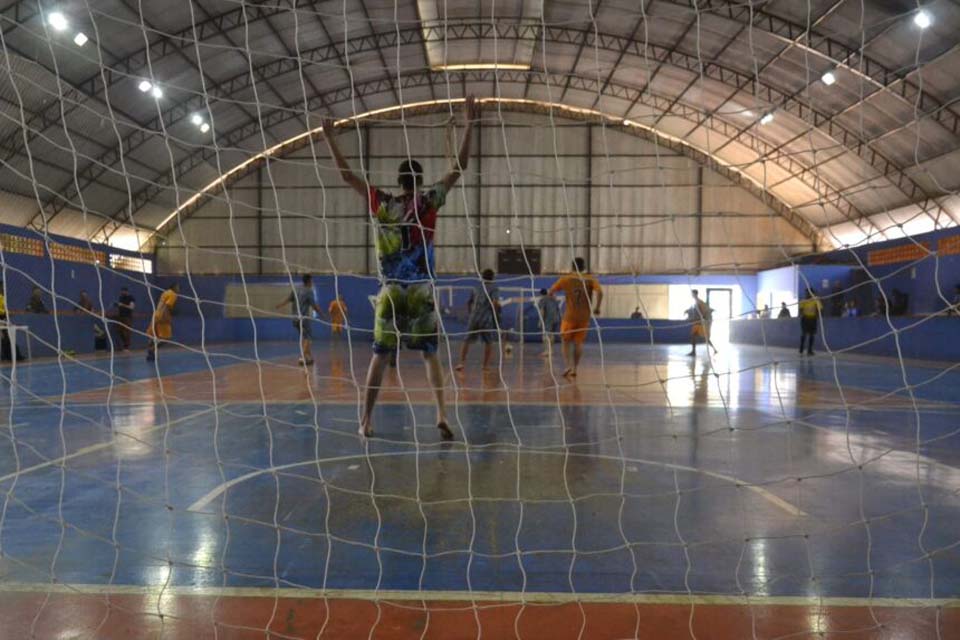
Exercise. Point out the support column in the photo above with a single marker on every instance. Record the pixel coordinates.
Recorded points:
(260, 220)
(479, 204)
(699, 211)
(368, 227)
(589, 211)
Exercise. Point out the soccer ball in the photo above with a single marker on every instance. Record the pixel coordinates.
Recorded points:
(508, 349)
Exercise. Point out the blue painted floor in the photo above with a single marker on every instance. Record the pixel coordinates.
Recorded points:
(754, 474)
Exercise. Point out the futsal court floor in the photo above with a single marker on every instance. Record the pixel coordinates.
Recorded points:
(758, 494)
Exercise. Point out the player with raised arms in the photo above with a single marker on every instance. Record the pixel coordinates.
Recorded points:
(405, 313)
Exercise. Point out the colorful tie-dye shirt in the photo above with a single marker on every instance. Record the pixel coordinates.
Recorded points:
(405, 227)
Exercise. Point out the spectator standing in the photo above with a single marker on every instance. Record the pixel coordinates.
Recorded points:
(837, 304)
(765, 314)
(36, 304)
(636, 315)
(850, 310)
(125, 305)
(784, 311)
(809, 311)
(899, 303)
(85, 303)
(6, 350)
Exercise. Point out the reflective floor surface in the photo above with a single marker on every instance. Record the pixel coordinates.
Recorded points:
(753, 495)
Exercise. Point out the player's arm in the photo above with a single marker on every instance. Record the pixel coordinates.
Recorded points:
(286, 300)
(346, 173)
(470, 113)
(597, 290)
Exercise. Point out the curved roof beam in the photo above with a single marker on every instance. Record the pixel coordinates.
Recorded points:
(734, 174)
(558, 35)
(807, 175)
(851, 60)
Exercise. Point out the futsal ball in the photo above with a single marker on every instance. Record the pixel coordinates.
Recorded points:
(508, 349)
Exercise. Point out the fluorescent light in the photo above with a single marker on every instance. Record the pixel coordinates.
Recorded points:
(80, 39)
(156, 92)
(144, 86)
(58, 21)
(828, 78)
(482, 66)
(196, 119)
(767, 118)
(922, 19)
(204, 127)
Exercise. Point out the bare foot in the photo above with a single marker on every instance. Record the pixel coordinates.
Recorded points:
(366, 429)
(569, 373)
(445, 432)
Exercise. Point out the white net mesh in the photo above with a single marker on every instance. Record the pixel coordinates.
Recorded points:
(170, 175)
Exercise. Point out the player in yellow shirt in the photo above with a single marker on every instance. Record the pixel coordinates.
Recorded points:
(338, 315)
(161, 326)
(809, 312)
(578, 289)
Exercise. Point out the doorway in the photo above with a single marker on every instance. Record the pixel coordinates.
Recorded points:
(721, 301)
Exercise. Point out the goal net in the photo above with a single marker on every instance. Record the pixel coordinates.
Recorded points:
(256, 381)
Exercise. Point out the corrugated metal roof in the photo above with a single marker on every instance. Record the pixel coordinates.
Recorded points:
(892, 118)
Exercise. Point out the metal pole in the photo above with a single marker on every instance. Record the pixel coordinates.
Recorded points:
(699, 212)
(260, 220)
(365, 132)
(589, 211)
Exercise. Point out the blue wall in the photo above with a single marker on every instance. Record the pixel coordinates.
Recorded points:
(919, 278)
(925, 338)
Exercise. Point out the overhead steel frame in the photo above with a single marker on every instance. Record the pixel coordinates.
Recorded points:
(530, 106)
(420, 79)
(322, 55)
(232, 19)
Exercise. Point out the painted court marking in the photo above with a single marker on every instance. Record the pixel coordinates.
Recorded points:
(504, 597)
(57, 462)
(200, 504)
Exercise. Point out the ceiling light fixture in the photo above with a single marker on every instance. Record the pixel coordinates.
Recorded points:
(156, 92)
(922, 19)
(204, 127)
(767, 118)
(196, 119)
(489, 66)
(144, 86)
(58, 21)
(828, 78)
(80, 39)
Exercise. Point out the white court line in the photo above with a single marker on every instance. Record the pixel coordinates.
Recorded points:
(200, 504)
(103, 445)
(493, 597)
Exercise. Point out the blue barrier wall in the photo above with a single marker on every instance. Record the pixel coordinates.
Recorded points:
(920, 279)
(925, 338)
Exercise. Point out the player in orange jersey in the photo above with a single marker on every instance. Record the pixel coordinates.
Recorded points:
(338, 315)
(578, 289)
